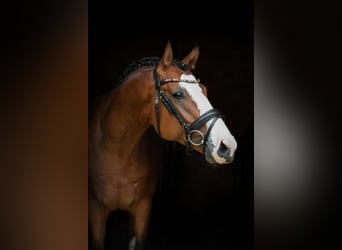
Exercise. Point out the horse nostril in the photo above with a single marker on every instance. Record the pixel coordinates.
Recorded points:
(223, 151)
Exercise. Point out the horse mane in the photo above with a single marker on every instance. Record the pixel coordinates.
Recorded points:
(145, 61)
(133, 66)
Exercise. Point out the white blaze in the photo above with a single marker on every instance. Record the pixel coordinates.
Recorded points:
(219, 132)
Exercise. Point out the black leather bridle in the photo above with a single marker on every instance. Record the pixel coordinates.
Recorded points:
(190, 129)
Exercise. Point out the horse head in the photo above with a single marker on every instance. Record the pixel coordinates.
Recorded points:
(187, 115)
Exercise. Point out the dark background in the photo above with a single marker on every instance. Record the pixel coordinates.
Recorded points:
(195, 207)
(44, 109)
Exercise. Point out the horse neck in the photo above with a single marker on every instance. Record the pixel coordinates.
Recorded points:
(128, 113)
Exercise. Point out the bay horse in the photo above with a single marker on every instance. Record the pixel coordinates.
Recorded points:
(154, 97)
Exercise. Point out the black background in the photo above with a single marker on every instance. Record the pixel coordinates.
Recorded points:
(44, 109)
(195, 207)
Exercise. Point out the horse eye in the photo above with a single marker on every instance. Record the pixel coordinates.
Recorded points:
(178, 95)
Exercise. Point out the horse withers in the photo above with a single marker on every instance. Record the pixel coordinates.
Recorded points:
(154, 97)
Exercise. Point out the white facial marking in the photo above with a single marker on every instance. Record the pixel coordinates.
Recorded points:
(219, 132)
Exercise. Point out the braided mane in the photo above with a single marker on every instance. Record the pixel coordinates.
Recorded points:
(146, 61)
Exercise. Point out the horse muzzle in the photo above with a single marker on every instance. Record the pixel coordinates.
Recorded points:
(221, 154)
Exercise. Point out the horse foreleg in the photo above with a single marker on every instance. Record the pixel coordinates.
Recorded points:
(97, 220)
(141, 218)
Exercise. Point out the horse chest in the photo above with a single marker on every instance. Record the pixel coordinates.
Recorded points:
(123, 186)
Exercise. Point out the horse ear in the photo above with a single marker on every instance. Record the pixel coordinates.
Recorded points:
(166, 59)
(191, 58)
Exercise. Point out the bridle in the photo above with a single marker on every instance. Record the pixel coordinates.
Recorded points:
(190, 129)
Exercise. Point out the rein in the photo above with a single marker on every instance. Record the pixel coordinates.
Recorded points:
(190, 129)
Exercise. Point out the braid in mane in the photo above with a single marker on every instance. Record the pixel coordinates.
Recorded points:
(146, 61)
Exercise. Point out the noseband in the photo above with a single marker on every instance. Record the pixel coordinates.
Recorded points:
(190, 129)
